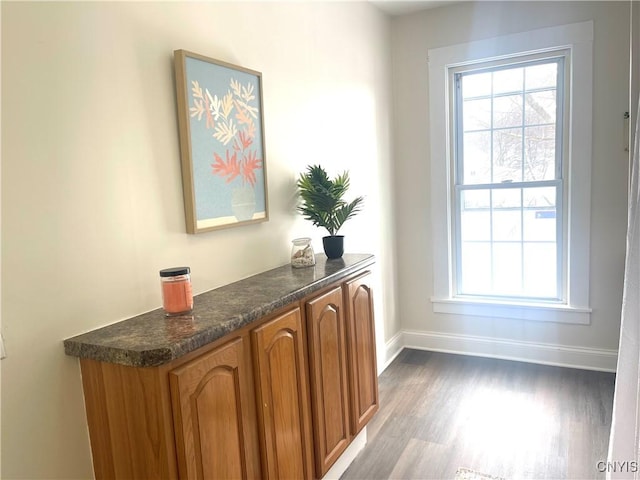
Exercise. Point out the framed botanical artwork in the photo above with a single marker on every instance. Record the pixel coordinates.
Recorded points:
(221, 125)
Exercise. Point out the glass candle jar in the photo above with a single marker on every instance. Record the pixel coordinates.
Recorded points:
(177, 297)
(302, 253)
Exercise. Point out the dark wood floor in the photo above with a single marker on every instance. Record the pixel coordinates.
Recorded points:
(515, 420)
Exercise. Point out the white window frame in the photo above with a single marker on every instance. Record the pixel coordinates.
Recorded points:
(561, 58)
(577, 39)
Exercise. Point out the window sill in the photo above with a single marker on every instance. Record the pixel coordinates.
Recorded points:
(542, 312)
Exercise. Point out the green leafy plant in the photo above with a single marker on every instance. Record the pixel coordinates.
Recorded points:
(322, 199)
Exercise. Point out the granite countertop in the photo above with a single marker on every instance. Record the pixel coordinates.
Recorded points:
(151, 339)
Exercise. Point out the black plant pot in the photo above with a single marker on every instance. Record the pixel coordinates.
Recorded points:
(333, 246)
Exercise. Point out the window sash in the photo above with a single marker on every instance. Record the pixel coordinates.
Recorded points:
(557, 185)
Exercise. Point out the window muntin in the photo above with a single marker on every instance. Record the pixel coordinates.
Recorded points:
(509, 229)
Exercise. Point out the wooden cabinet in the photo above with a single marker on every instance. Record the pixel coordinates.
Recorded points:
(282, 396)
(328, 372)
(130, 421)
(363, 375)
(214, 406)
(214, 410)
(342, 365)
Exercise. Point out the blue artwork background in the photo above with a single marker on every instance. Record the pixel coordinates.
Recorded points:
(212, 192)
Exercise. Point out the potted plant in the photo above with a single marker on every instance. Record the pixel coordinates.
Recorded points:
(324, 206)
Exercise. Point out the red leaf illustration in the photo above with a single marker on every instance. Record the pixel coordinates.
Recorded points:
(243, 117)
(246, 140)
(229, 168)
(241, 114)
(242, 141)
(250, 164)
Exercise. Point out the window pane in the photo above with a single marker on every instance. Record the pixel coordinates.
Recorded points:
(476, 199)
(476, 85)
(508, 81)
(540, 197)
(477, 157)
(507, 111)
(474, 225)
(477, 115)
(540, 107)
(506, 198)
(475, 217)
(507, 214)
(539, 225)
(507, 268)
(541, 76)
(540, 153)
(507, 155)
(540, 221)
(507, 225)
(540, 275)
(476, 268)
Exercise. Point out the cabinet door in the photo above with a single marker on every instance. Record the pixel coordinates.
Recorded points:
(214, 413)
(328, 371)
(283, 397)
(363, 377)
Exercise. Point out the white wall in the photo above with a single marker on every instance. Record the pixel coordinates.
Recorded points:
(91, 192)
(412, 36)
(635, 68)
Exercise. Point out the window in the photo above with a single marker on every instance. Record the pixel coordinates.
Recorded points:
(510, 135)
(508, 150)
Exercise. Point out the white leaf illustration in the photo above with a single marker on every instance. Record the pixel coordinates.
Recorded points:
(253, 111)
(197, 109)
(225, 131)
(247, 93)
(235, 86)
(197, 91)
(216, 105)
(227, 104)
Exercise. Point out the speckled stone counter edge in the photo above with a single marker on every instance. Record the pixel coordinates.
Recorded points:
(151, 339)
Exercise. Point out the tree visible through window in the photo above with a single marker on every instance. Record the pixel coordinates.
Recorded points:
(508, 175)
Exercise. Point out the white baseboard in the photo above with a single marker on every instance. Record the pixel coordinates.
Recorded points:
(392, 349)
(352, 451)
(547, 354)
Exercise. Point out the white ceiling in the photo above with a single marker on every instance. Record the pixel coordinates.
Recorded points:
(402, 7)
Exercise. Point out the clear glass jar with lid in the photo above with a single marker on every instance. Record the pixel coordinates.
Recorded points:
(302, 253)
(177, 295)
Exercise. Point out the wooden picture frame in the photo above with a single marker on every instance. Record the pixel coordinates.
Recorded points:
(221, 128)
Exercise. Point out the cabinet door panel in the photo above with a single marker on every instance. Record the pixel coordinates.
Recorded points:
(283, 397)
(328, 368)
(215, 416)
(363, 379)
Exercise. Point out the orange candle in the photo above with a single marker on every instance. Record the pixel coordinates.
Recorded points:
(177, 296)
